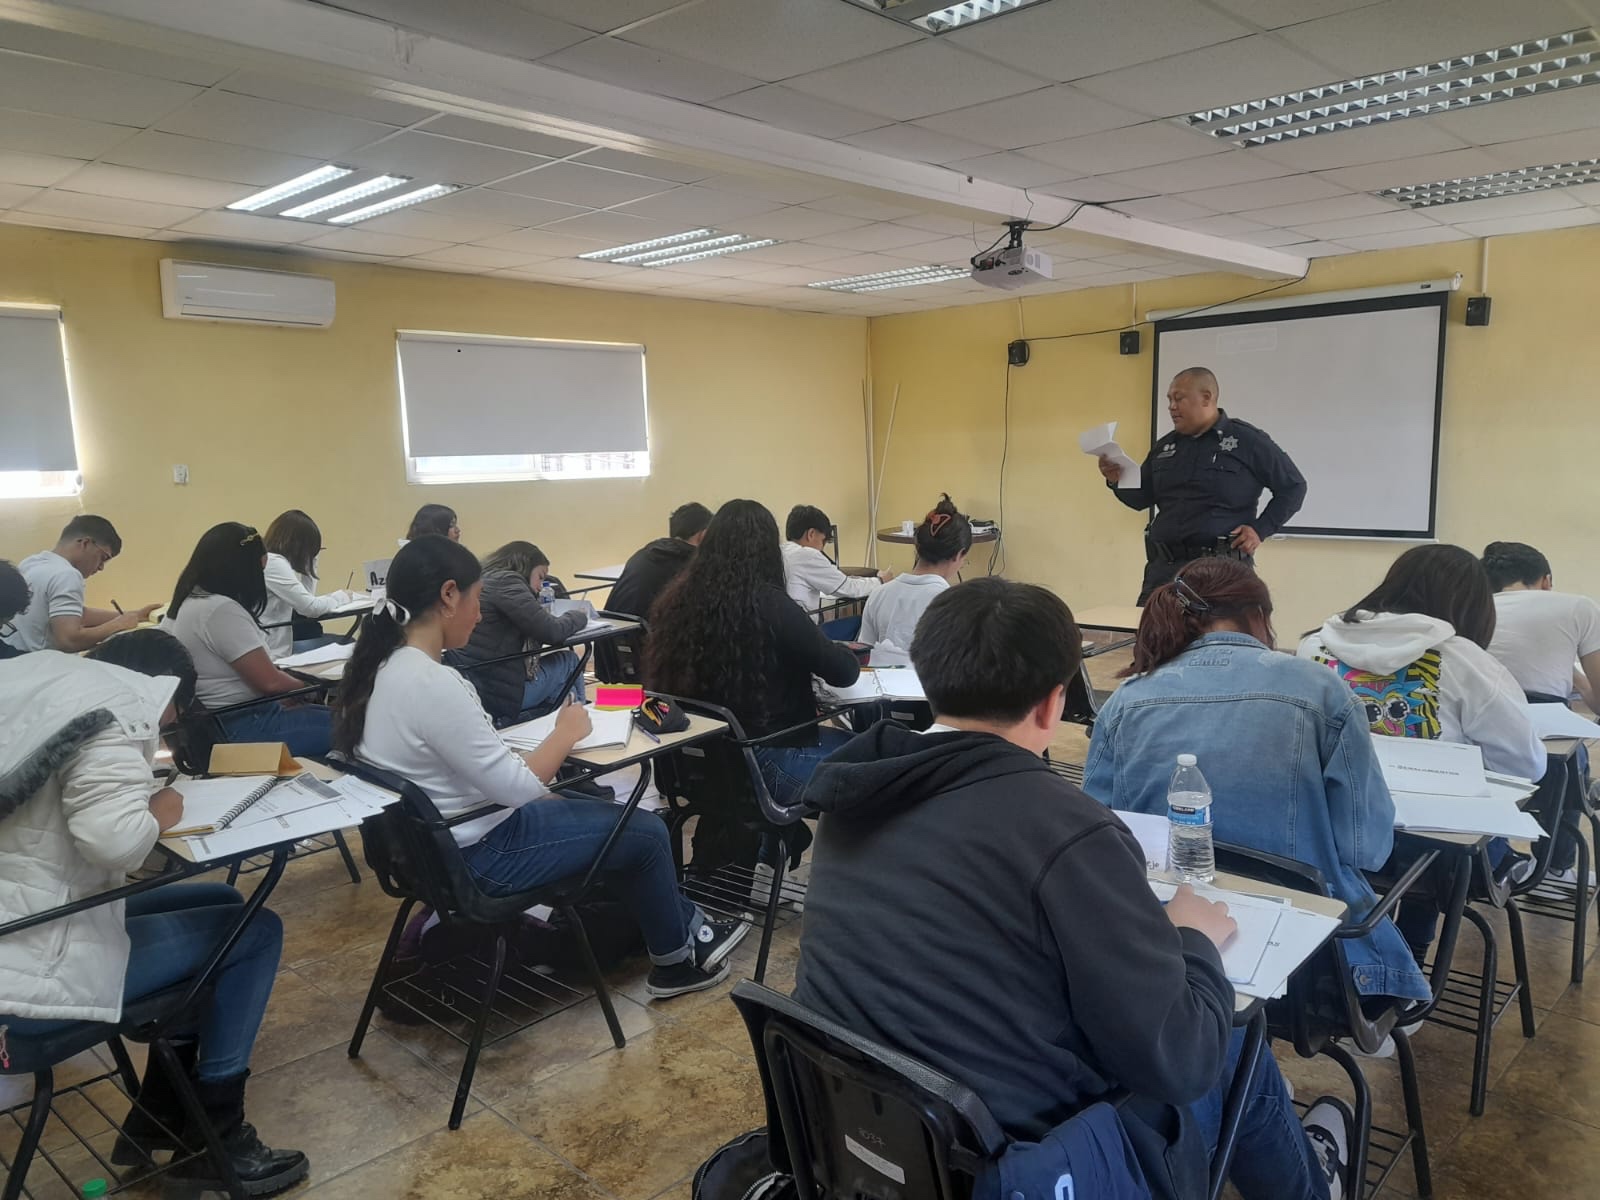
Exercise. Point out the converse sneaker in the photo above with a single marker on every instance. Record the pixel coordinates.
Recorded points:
(679, 978)
(1328, 1124)
(715, 940)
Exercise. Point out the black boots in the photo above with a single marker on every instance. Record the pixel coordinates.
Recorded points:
(157, 1121)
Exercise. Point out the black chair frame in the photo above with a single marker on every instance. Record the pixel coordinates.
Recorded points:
(1569, 902)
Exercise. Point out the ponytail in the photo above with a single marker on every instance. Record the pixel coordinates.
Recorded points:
(1205, 592)
(945, 533)
(416, 578)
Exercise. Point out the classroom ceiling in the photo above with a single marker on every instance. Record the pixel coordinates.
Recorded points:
(857, 143)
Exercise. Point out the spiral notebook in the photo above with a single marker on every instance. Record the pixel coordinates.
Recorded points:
(212, 805)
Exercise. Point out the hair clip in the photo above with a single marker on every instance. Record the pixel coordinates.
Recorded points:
(251, 536)
(1189, 599)
(936, 521)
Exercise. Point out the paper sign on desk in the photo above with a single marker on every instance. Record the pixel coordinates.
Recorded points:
(252, 758)
(1102, 441)
(333, 652)
(1152, 833)
(1559, 721)
(1432, 768)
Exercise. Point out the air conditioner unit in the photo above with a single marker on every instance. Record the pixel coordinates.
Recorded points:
(209, 292)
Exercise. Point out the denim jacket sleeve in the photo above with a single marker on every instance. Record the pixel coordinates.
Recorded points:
(1100, 767)
(1359, 804)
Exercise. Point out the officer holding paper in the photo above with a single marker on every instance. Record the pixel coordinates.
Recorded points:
(1205, 480)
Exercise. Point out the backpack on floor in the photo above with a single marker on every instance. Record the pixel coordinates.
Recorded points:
(742, 1170)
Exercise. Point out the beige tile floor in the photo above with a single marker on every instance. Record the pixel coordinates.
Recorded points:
(558, 1114)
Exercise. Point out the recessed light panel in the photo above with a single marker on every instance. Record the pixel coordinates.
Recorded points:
(882, 281)
(1500, 183)
(940, 16)
(278, 193)
(690, 246)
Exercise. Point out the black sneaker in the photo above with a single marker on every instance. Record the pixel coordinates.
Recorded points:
(683, 977)
(1328, 1123)
(715, 940)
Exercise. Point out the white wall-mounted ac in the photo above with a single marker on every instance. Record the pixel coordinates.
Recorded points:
(211, 292)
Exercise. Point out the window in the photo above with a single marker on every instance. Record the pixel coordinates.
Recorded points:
(38, 456)
(488, 409)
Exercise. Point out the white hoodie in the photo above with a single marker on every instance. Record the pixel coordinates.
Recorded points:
(1479, 701)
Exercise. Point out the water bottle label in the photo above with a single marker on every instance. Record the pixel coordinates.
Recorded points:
(1199, 817)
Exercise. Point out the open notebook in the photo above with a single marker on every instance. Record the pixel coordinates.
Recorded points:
(212, 805)
(880, 683)
(612, 727)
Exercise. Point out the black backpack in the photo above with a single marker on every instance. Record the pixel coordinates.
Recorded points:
(742, 1170)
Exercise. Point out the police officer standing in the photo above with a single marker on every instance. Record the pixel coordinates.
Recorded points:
(1205, 479)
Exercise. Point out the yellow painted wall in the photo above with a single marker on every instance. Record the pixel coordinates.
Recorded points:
(743, 402)
(1519, 441)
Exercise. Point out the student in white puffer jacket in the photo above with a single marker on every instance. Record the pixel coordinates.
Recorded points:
(79, 809)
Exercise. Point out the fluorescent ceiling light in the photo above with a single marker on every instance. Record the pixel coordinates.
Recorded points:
(882, 281)
(689, 246)
(293, 187)
(1536, 67)
(1500, 183)
(415, 196)
(939, 16)
(349, 195)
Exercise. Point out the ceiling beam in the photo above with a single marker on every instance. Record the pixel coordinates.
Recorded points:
(346, 50)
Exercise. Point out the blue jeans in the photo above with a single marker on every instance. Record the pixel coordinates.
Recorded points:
(544, 689)
(1272, 1159)
(555, 839)
(304, 728)
(172, 931)
(787, 769)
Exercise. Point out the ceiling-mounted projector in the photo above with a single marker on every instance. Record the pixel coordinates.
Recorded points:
(1013, 266)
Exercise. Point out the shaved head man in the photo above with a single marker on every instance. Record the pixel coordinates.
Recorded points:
(1204, 480)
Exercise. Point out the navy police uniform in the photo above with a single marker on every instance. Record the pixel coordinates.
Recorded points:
(1204, 486)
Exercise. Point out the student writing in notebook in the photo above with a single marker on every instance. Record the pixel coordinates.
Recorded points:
(402, 709)
(215, 608)
(974, 909)
(293, 542)
(79, 809)
(57, 618)
(944, 538)
(809, 574)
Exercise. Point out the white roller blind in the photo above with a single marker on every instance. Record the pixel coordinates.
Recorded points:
(35, 414)
(467, 396)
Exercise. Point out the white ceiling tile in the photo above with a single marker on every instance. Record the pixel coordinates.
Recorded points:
(644, 70)
(725, 267)
(614, 228)
(1272, 237)
(579, 268)
(178, 155)
(793, 254)
(1529, 116)
(1410, 237)
(645, 164)
(1264, 193)
(352, 103)
(780, 188)
(346, 255)
(422, 262)
(601, 16)
(1504, 206)
(771, 41)
(1106, 189)
(478, 256)
(1013, 169)
(130, 183)
(1404, 33)
(35, 170)
(1528, 152)
(796, 223)
(1390, 222)
(1245, 69)
(915, 81)
(40, 133)
(1128, 149)
(62, 203)
(508, 29)
(246, 227)
(1583, 193)
(844, 265)
(947, 249)
(13, 194)
(1274, 14)
(361, 241)
(937, 222)
(1046, 115)
(693, 205)
(1352, 147)
(49, 221)
(541, 243)
(1065, 41)
(867, 208)
(1196, 174)
(442, 227)
(1532, 223)
(1335, 208)
(882, 235)
(915, 144)
(794, 276)
(1426, 168)
(54, 43)
(508, 137)
(574, 183)
(1224, 225)
(440, 159)
(1164, 208)
(786, 108)
(502, 207)
(89, 93)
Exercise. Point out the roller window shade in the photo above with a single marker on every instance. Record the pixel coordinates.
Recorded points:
(35, 412)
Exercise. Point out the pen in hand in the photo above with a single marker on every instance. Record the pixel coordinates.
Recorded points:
(117, 606)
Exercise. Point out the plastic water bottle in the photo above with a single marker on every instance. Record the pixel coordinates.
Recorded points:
(1189, 823)
(547, 595)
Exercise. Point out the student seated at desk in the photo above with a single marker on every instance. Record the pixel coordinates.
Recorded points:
(973, 909)
(513, 621)
(13, 600)
(220, 595)
(808, 574)
(403, 710)
(56, 617)
(293, 542)
(943, 541)
(649, 570)
(79, 809)
(1283, 744)
(434, 518)
(726, 632)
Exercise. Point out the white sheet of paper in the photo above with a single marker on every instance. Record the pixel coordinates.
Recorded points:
(358, 602)
(292, 827)
(1559, 721)
(1102, 439)
(1479, 815)
(561, 608)
(1433, 768)
(1257, 919)
(612, 727)
(1296, 938)
(899, 683)
(333, 652)
(1152, 833)
(863, 691)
